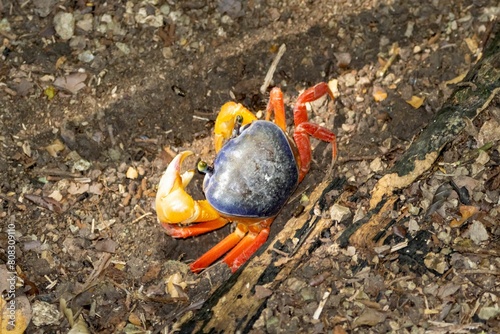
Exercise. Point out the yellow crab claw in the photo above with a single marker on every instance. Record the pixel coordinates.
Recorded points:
(224, 124)
(173, 204)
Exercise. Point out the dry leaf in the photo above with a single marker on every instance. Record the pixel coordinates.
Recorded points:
(45, 202)
(79, 189)
(54, 148)
(96, 188)
(466, 211)
(107, 245)
(487, 313)
(72, 82)
(24, 87)
(339, 330)
(477, 232)
(175, 286)
(134, 319)
(456, 80)
(60, 61)
(15, 312)
(56, 194)
(15, 316)
(447, 290)
(79, 327)
(472, 44)
(415, 101)
(436, 262)
(369, 317)
(27, 148)
(489, 132)
(379, 94)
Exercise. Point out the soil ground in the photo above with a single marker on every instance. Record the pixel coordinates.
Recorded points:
(91, 116)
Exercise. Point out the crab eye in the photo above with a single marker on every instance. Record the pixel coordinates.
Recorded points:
(204, 168)
(238, 120)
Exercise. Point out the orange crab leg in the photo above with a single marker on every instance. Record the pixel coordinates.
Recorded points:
(184, 232)
(251, 247)
(256, 237)
(220, 249)
(277, 106)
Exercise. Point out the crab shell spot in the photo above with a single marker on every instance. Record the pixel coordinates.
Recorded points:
(254, 173)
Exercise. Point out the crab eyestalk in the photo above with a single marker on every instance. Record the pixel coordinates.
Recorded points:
(238, 122)
(225, 123)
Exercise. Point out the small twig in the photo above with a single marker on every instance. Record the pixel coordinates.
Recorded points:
(99, 268)
(480, 271)
(399, 246)
(270, 72)
(321, 305)
(146, 140)
(201, 118)
(280, 252)
(399, 279)
(139, 218)
(111, 135)
(56, 172)
(395, 53)
(358, 158)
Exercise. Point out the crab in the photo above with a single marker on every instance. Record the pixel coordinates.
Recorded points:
(256, 169)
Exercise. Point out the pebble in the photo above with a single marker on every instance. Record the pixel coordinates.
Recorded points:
(350, 79)
(86, 23)
(86, 56)
(106, 18)
(132, 173)
(123, 47)
(44, 7)
(165, 9)
(45, 313)
(82, 165)
(308, 293)
(167, 52)
(486, 313)
(78, 43)
(339, 212)
(5, 25)
(64, 24)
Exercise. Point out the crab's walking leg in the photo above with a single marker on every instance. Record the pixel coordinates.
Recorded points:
(241, 245)
(177, 231)
(309, 95)
(255, 238)
(277, 106)
(220, 249)
(301, 138)
(304, 128)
